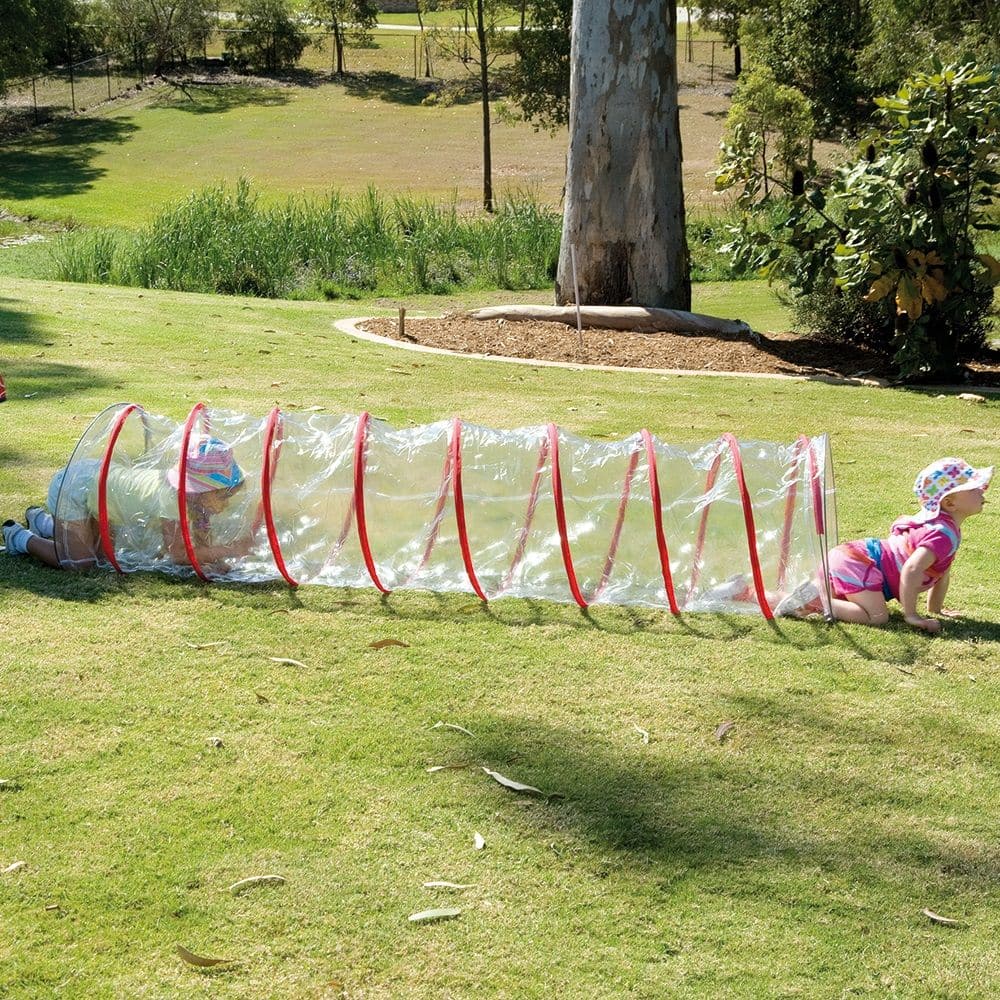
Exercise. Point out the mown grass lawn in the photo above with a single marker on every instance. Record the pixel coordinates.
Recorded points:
(120, 166)
(857, 787)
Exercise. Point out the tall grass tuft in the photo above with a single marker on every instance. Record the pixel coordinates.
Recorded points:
(223, 239)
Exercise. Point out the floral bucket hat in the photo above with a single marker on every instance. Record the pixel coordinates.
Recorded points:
(210, 466)
(947, 475)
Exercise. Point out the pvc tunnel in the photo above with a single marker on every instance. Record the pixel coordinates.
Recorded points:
(534, 512)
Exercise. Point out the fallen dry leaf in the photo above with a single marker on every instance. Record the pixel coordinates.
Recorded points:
(261, 700)
(255, 880)
(514, 786)
(426, 916)
(201, 961)
(446, 767)
(643, 733)
(452, 725)
(723, 730)
(382, 643)
(15, 867)
(215, 741)
(287, 660)
(205, 645)
(448, 885)
(478, 841)
(936, 918)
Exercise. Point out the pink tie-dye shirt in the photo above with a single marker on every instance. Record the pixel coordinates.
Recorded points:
(940, 534)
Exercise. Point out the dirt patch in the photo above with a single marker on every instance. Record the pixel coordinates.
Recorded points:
(776, 353)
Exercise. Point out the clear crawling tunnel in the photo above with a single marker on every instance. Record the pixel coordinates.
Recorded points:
(535, 512)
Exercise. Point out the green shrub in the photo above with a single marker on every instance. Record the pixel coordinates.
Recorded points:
(889, 245)
(221, 239)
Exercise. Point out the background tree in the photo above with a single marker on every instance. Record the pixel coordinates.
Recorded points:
(624, 207)
(347, 20)
(726, 18)
(537, 84)
(906, 34)
(812, 45)
(270, 36)
(35, 35)
(492, 40)
(156, 31)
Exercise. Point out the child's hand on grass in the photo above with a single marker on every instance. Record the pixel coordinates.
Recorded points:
(926, 624)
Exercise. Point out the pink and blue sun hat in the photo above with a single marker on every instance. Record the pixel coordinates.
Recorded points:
(210, 466)
(946, 475)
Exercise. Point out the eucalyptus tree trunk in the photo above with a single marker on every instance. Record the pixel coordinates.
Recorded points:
(624, 207)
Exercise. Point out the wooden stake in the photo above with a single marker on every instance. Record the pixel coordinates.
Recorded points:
(576, 294)
(402, 322)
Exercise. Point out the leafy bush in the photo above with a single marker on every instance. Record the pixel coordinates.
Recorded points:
(886, 247)
(769, 129)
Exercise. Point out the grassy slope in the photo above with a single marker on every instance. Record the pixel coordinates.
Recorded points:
(857, 787)
(120, 167)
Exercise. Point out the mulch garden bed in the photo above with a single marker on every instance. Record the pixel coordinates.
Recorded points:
(779, 353)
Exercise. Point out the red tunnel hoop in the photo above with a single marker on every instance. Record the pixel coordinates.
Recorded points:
(268, 471)
(758, 579)
(803, 445)
(360, 449)
(557, 496)
(198, 408)
(661, 541)
(104, 527)
(748, 520)
(463, 534)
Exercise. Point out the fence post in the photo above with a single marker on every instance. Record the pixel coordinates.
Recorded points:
(34, 102)
(416, 67)
(711, 71)
(107, 70)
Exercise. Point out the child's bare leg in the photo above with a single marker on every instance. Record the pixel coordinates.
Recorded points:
(44, 550)
(865, 608)
(78, 545)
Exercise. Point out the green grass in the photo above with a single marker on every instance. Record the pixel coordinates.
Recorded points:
(793, 859)
(121, 168)
(124, 165)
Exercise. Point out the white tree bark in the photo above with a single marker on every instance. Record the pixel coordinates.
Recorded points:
(624, 209)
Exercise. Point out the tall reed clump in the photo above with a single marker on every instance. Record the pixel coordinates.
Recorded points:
(223, 239)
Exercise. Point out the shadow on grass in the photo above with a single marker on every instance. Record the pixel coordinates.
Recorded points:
(216, 98)
(30, 377)
(58, 160)
(389, 87)
(713, 808)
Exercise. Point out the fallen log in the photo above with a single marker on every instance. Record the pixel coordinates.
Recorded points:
(640, 319)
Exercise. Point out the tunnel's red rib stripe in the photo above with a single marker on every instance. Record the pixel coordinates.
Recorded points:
(758, 580)
(182, 490)
(268, 472)
(557, 496)
(661, 540)
(463, 534)
(360, 447)
(107, 543)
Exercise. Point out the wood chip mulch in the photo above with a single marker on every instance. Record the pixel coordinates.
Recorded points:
(777, 353)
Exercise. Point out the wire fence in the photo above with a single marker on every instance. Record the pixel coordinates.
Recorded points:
(84, 86)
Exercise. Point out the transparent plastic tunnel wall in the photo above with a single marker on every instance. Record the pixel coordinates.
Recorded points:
(349, 501)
